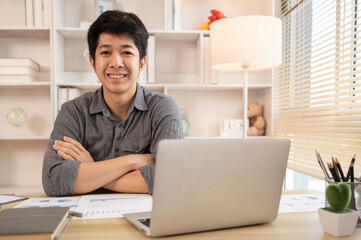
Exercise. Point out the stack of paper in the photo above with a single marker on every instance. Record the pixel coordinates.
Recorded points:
(95, 206)
(18, 70)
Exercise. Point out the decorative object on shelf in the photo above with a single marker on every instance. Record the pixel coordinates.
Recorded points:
(216, 15)
(101, 6)
(246, 43)
(336, 220)
(17, 118)
(185, 122)
(232, 127)
(257, 123)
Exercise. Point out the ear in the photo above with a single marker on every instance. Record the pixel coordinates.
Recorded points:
(143, 63)
(92, 62)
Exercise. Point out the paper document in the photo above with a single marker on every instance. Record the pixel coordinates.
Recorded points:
(113, 205)
(5, 199)
(301, 202)
(95, 206)
(71, 202)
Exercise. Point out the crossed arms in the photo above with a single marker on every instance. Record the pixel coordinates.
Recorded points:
(119, 174)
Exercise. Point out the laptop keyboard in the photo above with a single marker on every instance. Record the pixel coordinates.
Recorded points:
(145, 221)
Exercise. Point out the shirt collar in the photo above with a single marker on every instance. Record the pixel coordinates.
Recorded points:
(98, 104)
(139, 100)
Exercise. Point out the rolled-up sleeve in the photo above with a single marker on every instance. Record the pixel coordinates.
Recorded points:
(58, 175)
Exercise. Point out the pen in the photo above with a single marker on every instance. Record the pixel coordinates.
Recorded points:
(75, 213)
(322, 165)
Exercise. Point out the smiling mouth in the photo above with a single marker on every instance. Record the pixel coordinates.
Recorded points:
(117, 75)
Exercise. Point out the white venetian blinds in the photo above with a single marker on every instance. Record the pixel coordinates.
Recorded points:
(317, 90)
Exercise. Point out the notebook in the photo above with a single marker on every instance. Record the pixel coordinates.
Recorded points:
(207, 184)
(33, 223)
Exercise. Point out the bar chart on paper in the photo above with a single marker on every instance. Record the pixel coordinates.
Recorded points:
(113, 206)
(301, 202)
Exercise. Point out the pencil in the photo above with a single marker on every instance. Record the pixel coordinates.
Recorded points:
(340, 169)
(336, 168)
(352, 173)
(332, 170)
(349, 169)
(322, 165)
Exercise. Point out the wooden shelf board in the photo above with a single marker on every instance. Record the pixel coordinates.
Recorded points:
(21, 138)
(25, 32)
(30, 85)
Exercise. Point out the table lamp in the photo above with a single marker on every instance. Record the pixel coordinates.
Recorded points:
(246, 43)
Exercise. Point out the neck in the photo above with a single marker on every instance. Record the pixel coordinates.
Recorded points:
(119, 104)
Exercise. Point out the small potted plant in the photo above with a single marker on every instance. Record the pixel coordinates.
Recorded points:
(336, 220)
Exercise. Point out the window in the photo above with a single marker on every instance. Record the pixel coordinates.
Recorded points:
(317, 89)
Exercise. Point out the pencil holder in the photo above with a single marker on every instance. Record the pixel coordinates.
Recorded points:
(355, 202)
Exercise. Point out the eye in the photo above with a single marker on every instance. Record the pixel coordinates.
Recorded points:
(127, 53)
(105, 53)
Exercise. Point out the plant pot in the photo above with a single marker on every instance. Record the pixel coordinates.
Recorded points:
(338, 224)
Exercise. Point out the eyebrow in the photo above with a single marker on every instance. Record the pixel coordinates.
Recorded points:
(123, 46)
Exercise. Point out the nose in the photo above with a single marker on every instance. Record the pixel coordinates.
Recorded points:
(116, 61)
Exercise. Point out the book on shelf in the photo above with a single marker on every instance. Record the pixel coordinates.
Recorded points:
(33, 223)
(38, 13)
(151, 59)
(66, 94)
(29, 13)
(177, 15)
(143, 76)
(19, 62)
(18, 70)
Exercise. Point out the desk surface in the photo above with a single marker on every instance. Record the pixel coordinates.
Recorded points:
(293, 226)
(303, 226)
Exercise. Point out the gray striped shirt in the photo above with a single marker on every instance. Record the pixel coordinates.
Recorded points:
(151, 117)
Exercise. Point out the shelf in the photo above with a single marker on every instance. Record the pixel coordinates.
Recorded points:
(173, 35)
(25, 32)
(185, 87)
(213, 86)
(166, 35)
(20, 138)
(73, 32)
(30, 85)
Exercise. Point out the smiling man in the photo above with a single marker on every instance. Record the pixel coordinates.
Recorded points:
(105, 141)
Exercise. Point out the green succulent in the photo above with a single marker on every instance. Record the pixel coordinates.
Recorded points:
(338, 196)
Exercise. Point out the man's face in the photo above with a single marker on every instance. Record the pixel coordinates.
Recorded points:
(117, 64)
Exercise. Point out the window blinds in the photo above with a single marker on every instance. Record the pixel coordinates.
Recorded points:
(317, 89)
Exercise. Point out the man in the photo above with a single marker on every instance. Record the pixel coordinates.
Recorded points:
(106, 140)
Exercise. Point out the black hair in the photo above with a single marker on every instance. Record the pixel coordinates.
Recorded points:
(118, 23)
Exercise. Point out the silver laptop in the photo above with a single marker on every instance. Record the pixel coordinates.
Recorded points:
(209, 184)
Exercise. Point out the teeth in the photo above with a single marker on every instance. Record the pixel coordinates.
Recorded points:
(116, 76)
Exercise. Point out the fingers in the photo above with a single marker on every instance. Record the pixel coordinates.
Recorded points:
(65, 150)
(65, 156)
(74, 143)
(68, 149)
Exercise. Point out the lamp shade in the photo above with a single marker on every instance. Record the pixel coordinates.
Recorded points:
(253, 42)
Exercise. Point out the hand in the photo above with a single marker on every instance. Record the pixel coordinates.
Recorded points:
(70, 149)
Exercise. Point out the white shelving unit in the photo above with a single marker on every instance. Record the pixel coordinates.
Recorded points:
(182, 71)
